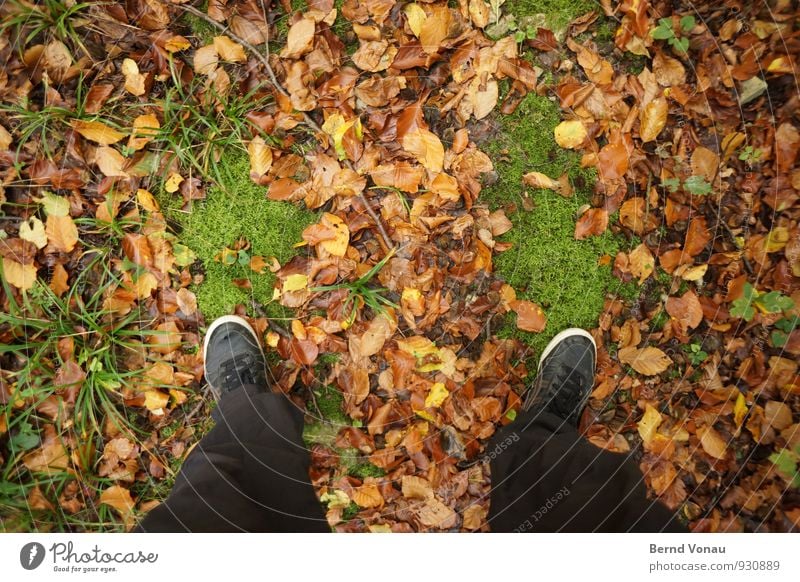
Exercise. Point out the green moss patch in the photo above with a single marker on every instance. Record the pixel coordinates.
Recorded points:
(238, 208)
(547, 265)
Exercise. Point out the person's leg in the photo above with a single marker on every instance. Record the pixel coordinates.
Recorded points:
(547, 478)
(250, 472)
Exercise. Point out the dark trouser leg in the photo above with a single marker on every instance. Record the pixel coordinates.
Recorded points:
(250, 473)
(547, 478)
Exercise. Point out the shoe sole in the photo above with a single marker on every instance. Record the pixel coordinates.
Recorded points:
(228, 319)
(561, 336)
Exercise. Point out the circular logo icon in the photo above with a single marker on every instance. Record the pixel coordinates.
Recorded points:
(31, 555)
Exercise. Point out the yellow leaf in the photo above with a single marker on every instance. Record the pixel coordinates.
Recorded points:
(20, 276)
(155, 401)
(134, 80)
(295, 282)
(642, 262)
(484, 97)
(119, 498)
(173, 182)
(435, 29)
(260, 157)
(147, 200)
(145, 128)
(62, 233)
(146, 284)
(54, 205)
(177, 43)
(97, 132)
(776, 239)
(539, 180)
(335, 126)
(32, 230)
(436, 396)
(368, 496)
(739, 409)
(652, 119)
(648, 425)
(416, 487)
(426, 147)
(228, 50)
(415, 16)
(50, 456)
(648, 361)
(570, 134)
(110, 162)
(338, 245)
(5, 139)
(205, 60)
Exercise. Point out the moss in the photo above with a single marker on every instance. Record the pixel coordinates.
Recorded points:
(328, 419)
(354, 464)
(547, 265)
(238, 208)
(557, 13)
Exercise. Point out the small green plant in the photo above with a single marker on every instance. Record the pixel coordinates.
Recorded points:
(785, 326)
(750, 155)
(359, 293)
(695, 353)
(695, 185)
(771, 302)
(677, 38)
(787, 462)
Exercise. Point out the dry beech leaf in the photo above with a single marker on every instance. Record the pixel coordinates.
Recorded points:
(145, 128)
(713, 444)
(649, 423)
(435, 29)
(593, 222)
(652, 119)
(97, 132)
(686, 309)
(300, 39)
(119, 498)
(368, 495)
(62, 233)
(228, 50)
(32, 230)
(570, 134)
(59, 284)
(134, 80)
(20, 276)
(260, 157)
(539, 180)
(530, 317)
(642, 262)
(426, 147)
(110, 162)
(205, 60)
(649, 361)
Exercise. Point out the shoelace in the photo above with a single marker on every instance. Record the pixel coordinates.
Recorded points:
(239, 370)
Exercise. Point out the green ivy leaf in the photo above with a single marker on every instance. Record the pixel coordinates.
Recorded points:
(25, 439)
(662, 31)
(787, 324)
(672, 184)
(786, 463)
(687, 22)
(778, 338)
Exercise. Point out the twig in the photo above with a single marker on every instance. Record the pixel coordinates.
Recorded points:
(385, 240)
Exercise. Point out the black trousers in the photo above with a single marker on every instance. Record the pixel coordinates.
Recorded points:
(250, 473)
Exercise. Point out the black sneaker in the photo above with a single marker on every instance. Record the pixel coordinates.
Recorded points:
(566, 375)
(232, 356)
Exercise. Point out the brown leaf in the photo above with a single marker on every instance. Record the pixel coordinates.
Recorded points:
(612, 161)
(304, 351)
(166, 338)
(59, 282)
(668, 71)
(642, 262)
(633, 214)
(713, 444)
(686, 309)
(62, 233)
(593, 222)
(300, 39)
(52, 456)
(228, 50)
(530, 317)
(697, 236)
(110, 162)
(435, 28)
(368, 495)
(119, 498)
(649, 361)
(145, 128)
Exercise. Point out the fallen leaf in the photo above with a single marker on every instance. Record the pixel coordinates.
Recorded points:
(649, 361)
(530, 317)
(260, 157)
(593, 222)
(649, 423)
(205, 60)
(368, 495)
(97, 132)
(300, 39)
(119, 498)
(20, 276)
(228, 50)
(32, 230)
(652, 119)
(62, 233)
(713, 444)
(686, 309)
(134, 80)
(642, 262)
(570, 134)
(539, 180)
(111, 162)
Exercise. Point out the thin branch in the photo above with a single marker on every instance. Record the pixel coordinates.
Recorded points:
(384, 239)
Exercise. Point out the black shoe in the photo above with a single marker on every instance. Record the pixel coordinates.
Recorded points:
(232, 356)
(566, 375)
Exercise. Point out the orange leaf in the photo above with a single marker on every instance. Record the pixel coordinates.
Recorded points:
(593, 222)
(652, 119)
(97, 132)
(20, 276)
(62, 233)
(648, 361)
(530, 317)
(686, 309)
